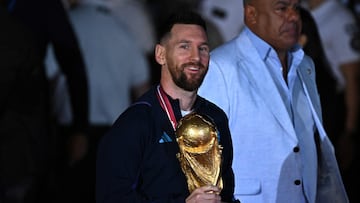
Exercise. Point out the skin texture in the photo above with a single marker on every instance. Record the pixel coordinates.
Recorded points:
(184, 59)
(275, 21)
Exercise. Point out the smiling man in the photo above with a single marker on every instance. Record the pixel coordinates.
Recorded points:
(137, 158)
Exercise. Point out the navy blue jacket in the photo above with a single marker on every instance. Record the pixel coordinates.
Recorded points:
(137, 158)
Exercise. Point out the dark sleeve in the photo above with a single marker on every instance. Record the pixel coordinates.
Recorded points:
(227, 194)
(69, 57)
(22, 78)
(120, 156)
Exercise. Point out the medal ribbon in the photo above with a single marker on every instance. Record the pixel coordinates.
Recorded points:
(166, 105)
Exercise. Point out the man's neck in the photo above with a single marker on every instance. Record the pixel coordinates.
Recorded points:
(186, 103)
(186, 98)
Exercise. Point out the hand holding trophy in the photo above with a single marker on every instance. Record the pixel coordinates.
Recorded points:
(200, 152)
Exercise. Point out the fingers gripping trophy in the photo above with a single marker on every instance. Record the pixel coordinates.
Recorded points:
(200, 151)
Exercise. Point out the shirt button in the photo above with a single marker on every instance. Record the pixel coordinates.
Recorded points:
(297, 182)
(296, 149)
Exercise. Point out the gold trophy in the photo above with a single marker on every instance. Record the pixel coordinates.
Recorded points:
(200, 152)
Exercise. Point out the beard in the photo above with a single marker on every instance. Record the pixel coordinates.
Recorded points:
(188, 83)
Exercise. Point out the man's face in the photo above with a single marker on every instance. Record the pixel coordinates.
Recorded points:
(275, 21)
(187, 56)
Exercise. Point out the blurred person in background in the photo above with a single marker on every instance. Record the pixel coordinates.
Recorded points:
(226, 15)
(338, 28)
(117, 72)
(48, 23)
(136, 17)
(23, 116)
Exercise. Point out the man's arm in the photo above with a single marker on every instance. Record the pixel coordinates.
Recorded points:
(69, 57)
(120, 158)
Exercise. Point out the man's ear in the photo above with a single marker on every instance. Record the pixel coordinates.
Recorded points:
(250, 14)
(160, 54)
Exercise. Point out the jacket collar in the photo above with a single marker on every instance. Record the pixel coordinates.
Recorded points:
(261, 81)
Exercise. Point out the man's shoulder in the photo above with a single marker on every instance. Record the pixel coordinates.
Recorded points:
(148, 96)
(230, 50)
(223, 48)
(307, 62)
(142, 105)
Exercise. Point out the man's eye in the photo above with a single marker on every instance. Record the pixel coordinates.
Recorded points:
(184, 46)
(204, 49)
(282, 8)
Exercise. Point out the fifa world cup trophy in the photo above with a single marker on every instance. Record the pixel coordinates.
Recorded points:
(200, 152)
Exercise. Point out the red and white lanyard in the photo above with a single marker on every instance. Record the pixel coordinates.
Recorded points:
(166, 105)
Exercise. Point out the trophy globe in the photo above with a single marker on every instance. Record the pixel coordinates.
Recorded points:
(200, 151)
